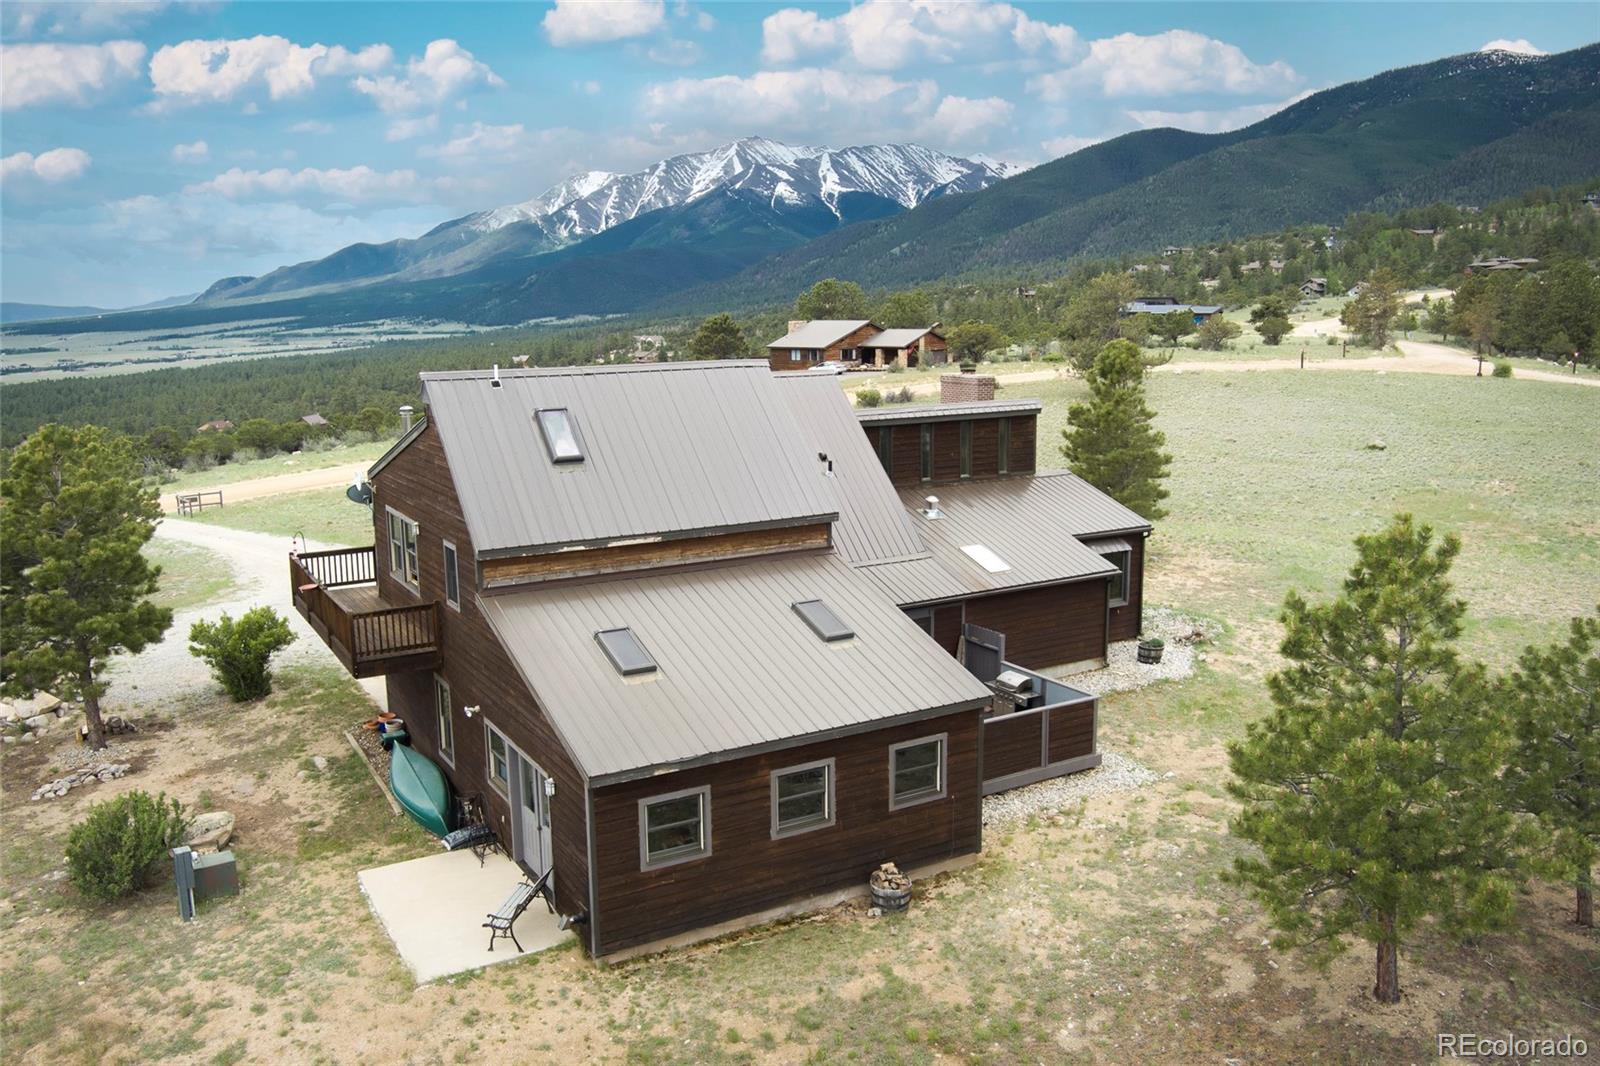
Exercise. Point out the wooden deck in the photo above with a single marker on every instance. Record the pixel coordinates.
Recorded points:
(336, 592)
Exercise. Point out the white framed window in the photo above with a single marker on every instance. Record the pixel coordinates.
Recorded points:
(452, 576)
(674, 828)
(498, 760)
(1117, 594)
(802, 798)
(444, 719)
(794, 355)
(917, 771)
(403, 564)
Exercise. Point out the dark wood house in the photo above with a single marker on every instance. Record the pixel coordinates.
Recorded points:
(698, 653)
(855, 343)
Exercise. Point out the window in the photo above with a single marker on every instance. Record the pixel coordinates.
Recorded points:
(675, 828)
(1005, 445)
(452, 577)
(916, 771)
(823, 622)
(499, 761)
(923, 616)
(886, 448)
(985, 557)
(966, 449)
(625, 652)
(403, 550)
(802, 798)
(927, 451)
(560, 435)
(1118, 593)
(441, 710)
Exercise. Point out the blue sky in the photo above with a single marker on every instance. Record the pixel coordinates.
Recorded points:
(150, 148)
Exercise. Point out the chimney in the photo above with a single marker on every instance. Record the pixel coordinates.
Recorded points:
(932, 509)
(406, 411)
(796, 323)
(965, 388)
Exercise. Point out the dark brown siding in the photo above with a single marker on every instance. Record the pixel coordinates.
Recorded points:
(747, 871)
(566, 564)
(947, 626)
(778, 358)
(417, 483)
(906, 460)
(1024, 431)
(1071, 732)
(1012, 744)
(946, 451)
(1048, 626)
(906, 468)
(1127, 621)
(985, 447)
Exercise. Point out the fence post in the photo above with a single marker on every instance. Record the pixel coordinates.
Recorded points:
(183, 874)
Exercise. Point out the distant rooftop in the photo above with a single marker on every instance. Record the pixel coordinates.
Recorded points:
(931, 412)
(820, 333)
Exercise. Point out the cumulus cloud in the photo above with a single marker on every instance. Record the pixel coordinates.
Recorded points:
(66, 73)
(443, 70)
(959, 120)
(891, 34)
(1219, 121)
(405, 129)
(1162, 64)
(217, 71)
(1521, 46)
(802, 103)
(480, 141)
(185, 153)
(311, 125)
(355, 186)
(1067, 143)
(54, 166)
(578, 22)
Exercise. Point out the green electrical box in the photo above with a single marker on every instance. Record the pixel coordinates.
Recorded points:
(215, 875)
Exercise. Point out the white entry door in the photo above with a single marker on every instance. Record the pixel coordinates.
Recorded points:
(530, 808)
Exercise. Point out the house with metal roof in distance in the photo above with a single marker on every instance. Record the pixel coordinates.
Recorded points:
(1168, 305)
(701, 644)
(855, 343)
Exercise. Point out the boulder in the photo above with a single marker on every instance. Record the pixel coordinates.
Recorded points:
(210, 832)
(38, 703)
(40, 721)
(320, 762)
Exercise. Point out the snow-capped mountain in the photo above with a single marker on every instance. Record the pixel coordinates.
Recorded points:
(786, 175)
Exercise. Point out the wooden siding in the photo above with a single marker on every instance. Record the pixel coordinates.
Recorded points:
(1049, 626)
(747, 871)
(1012, 743)
(1127, 621)
(905, 467)
(417, 483)
(678, 552)
(778, 358)
(1024, 433)
(947, 621)
(1071, 732)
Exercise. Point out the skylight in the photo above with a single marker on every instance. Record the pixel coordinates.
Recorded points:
(984, 557)
(823, 622)
(625, 652)
(560, 435)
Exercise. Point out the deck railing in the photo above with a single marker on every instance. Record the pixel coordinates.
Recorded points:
(366, 641)
(1054, 735)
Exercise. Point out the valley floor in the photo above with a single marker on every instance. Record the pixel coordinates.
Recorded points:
(1100, 932)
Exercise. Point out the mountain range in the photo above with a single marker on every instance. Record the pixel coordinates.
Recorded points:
(756, 221)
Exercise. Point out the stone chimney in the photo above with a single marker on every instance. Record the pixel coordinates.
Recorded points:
(965, 388)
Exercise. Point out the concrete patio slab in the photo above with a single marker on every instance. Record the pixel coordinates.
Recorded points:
(433, 909)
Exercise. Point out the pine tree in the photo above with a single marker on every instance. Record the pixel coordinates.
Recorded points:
(1369, 788)
(73, 581)
(1111, 442)
(831, 298)
(719, 337)
(1554, 774)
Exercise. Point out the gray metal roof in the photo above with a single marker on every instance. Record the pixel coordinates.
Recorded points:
(931, 412)
(1139, 307)
(872, 522)
(738, 669)
(896, 338)
(819, 333)
(669, 449)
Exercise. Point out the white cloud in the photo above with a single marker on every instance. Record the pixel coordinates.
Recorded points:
(54, 166)
(1521, 46)
(355, 186)
(588, 88)
(959, 120)
(311, 125)
(891, 34)
(1219, 121)
(674, 52)
(65, 73)
(577, 22)
(443, 70)
(216, 71)
(405, 129)
(805, 103)
(1066, 144)
(480, 141)
(184, 153)
(26, 18)
(1177, 61)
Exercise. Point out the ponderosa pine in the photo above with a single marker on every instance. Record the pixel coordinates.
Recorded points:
(1111, 441)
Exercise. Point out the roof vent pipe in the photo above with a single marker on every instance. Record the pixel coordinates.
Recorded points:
(827, 464)
(406, 411)
(932, 508)
(495, 383)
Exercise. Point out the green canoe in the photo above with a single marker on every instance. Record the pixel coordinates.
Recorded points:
(420, 788)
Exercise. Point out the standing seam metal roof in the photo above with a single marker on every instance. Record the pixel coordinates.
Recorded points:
(737, 667)
(669, 449)
(936, 412)
(896, 338)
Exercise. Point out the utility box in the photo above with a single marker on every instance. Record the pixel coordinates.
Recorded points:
(215, 875)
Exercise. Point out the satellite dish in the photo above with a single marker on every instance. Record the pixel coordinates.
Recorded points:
(360, 491)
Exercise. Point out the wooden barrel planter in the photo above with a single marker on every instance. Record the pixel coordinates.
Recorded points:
(891, 889)
(1150, 651)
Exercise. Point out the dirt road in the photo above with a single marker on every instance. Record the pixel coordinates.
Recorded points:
(277, 484)
(1420, 357)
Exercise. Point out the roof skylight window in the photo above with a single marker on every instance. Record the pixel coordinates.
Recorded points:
(625, 652)
(823, 622)
(986, 558)
(560, 435)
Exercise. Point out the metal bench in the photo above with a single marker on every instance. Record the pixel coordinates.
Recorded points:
(502, 921)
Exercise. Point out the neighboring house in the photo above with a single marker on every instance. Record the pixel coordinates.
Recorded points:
(904, 347)
(809, 344)
(692, 631)
(314, 420)
(1314, 287)
(1592, 199)
(1168, 305)
(1500, 262)
(216, 425)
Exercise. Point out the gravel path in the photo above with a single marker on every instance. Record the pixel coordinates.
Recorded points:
(1124, 672)
(260, 562)
(1116, 773)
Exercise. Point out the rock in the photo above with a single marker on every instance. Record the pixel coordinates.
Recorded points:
(874, 912)
(1376, 446)
(29, 738)
(38, 703)
(320, 762)
(210, 832)
(40, 721)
